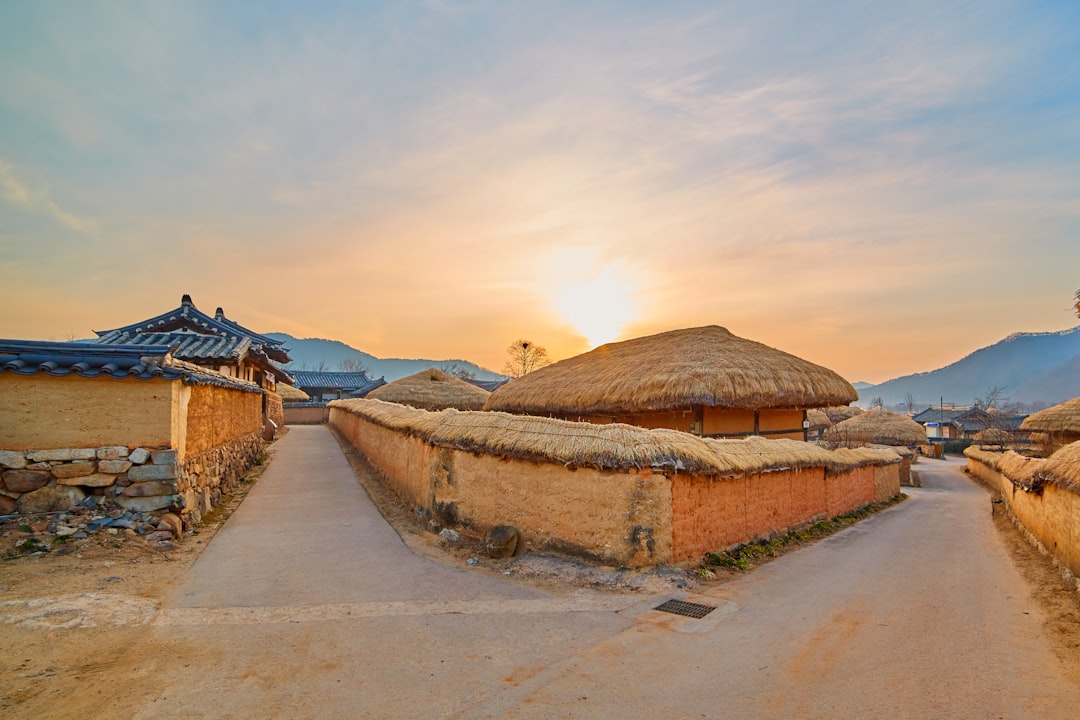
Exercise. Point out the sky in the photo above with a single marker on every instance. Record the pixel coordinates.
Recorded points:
(880, 188)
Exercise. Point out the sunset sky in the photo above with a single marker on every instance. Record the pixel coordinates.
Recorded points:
(880, 188)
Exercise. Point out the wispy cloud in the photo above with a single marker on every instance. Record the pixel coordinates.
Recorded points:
(40, 201)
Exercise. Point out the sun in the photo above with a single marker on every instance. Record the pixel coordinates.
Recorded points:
(598, 301)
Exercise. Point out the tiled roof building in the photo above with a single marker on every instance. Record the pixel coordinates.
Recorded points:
(210, 341)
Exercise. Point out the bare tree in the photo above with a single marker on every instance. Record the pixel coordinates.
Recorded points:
(353, 364)
(455, 369)
(877, 402)
(524, 357)
(909, 398)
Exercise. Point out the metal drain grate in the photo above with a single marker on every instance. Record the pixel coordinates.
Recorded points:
(688, 609)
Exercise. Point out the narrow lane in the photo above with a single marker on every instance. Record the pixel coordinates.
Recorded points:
(917, 612)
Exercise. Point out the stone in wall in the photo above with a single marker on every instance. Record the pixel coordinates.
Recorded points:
(24, 481)
(116, 467)
(153, 472)
(73, 470)
(139, 456)
(50, 499)
(204, 479)
(63, 454)
(112, 452)
(95, 480)
(12, 459)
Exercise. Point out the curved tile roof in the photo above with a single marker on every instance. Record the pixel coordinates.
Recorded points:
(91, 360)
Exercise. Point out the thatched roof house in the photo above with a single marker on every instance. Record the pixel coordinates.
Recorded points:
(840, 413)
(432, 389)
(879, 427)
(1060, 423)
(289, 393)
(702, 380)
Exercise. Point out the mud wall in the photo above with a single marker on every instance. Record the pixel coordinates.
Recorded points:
(41, 411)
(216, 416)
(710, 513)
(311, 415)
(1050, 515)
(633, 518)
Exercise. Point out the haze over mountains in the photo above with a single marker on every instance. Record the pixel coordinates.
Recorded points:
(320, 354)
(1028, 367)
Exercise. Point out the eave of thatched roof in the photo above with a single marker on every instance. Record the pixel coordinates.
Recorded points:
(671, 371)
(432, 389)
(879, 427)
(606, 447)
(1059, 418)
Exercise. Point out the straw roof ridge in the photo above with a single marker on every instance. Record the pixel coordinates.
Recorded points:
(1059, 418)
(606, 447)
(879, 427)
(432, 389)
(674, 370)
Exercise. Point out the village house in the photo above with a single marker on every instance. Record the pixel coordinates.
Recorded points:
(214, 342)
(704, 381)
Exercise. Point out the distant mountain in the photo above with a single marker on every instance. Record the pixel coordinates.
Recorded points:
(316, 353)
(860, 386)
(1031, 367)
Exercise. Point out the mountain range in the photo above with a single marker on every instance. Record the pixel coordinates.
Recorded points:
(320, 354)
(1026, 367)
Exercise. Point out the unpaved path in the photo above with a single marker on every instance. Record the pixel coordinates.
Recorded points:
(317, 610)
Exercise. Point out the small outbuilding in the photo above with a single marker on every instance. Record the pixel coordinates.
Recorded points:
(703, 380)
(432, 389)
(1059, 424)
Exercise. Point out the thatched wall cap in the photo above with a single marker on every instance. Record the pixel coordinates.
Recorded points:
(606, 447)
(672, 371)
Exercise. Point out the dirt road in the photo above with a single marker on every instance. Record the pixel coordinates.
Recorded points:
(319, 611)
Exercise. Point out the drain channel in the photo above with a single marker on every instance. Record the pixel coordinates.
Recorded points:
(687, 609)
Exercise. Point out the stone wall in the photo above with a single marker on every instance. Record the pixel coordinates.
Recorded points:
(142, 480)
(203, 479)
(138, 479)
(632, 518)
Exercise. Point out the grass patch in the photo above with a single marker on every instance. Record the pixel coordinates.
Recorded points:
(752, 554)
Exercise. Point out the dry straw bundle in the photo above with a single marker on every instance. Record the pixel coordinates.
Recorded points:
(432, 389)
(606, 447)
(1063, 418)
(672, 371)
(879, 427)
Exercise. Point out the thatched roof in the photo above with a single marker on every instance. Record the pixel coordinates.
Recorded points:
(674, 371)
(606, 447)
(880, 427)
(818, 420)
(1059, 418)
(840, 413)
(1063, 468)
(432, 389)
(289, 393)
